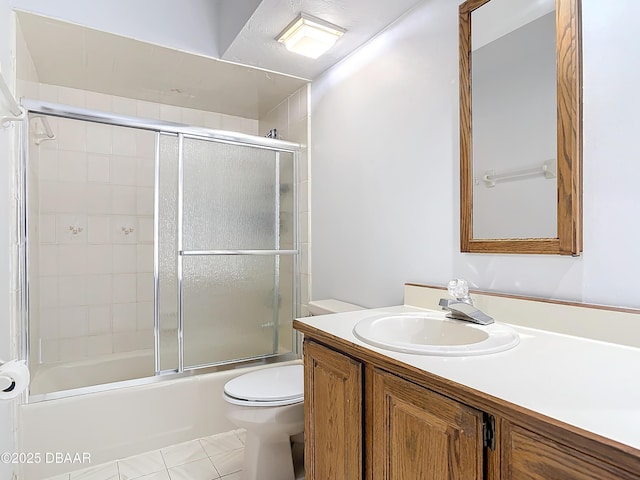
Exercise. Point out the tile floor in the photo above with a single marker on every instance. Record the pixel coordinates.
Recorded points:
(211, 458)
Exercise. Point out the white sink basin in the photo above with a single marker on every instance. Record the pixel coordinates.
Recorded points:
(431, 333)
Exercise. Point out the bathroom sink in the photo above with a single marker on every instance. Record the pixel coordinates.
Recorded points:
(432, 333)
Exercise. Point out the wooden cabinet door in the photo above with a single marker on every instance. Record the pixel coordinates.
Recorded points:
(333, 414)
(418, 434)
(530, 456)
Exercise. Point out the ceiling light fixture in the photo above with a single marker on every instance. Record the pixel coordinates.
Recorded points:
(310, 36)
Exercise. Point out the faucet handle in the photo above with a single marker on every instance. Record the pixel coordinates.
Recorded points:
(465, 311)
(459, 289)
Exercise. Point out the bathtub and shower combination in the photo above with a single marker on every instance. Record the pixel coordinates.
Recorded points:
(159, 260)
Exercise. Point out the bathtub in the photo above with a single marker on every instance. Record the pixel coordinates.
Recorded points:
(94, 371)
(118, 423)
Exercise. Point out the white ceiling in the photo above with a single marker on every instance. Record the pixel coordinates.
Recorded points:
(255, 44)
(76, 56)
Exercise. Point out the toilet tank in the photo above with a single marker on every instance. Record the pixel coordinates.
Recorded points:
(331, 305)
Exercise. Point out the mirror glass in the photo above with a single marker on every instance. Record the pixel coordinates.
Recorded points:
(520, 126)
(513, 99)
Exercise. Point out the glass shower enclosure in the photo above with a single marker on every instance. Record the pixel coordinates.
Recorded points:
(152, 249)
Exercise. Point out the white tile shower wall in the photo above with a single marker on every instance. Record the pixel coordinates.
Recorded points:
(95, 210)
(291, 119)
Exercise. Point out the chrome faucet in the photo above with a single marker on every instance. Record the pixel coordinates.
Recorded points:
(462, 307)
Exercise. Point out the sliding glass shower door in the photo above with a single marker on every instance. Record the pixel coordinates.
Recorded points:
(151, 248)
(234, 251)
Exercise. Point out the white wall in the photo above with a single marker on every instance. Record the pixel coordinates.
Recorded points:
(153, 21)
(7, 67)
(383, 136)
(385, 169)
(233, 16)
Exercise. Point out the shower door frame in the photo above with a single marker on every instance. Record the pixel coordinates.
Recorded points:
(181, 131)
(276, 253)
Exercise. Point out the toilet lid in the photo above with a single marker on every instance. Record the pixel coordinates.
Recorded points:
(268, 384)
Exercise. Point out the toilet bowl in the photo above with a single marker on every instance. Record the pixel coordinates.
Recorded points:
(269, 405)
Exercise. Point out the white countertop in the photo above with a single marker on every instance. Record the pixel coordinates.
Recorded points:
(586, 383)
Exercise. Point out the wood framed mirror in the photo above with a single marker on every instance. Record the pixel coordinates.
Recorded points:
(521, 166)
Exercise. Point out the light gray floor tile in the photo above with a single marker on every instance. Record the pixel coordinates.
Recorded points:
(234, 476)
(140, 465)
(183, 453)
(229, 462)
(161, 475)
(222, 443)
(105, 471)
(198, 470)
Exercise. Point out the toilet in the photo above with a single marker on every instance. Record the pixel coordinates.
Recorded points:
(269, 404)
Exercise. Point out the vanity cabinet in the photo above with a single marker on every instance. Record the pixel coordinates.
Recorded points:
(413, 434)
(419, 434)
(529, 456)
(333, 414)
(370, 417)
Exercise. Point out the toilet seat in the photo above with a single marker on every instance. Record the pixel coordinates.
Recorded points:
(268, 387)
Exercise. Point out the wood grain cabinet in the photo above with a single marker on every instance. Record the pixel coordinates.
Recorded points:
(527, 455)
(413, 433)
(372, 419)
(333, 414)
(419, 434)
